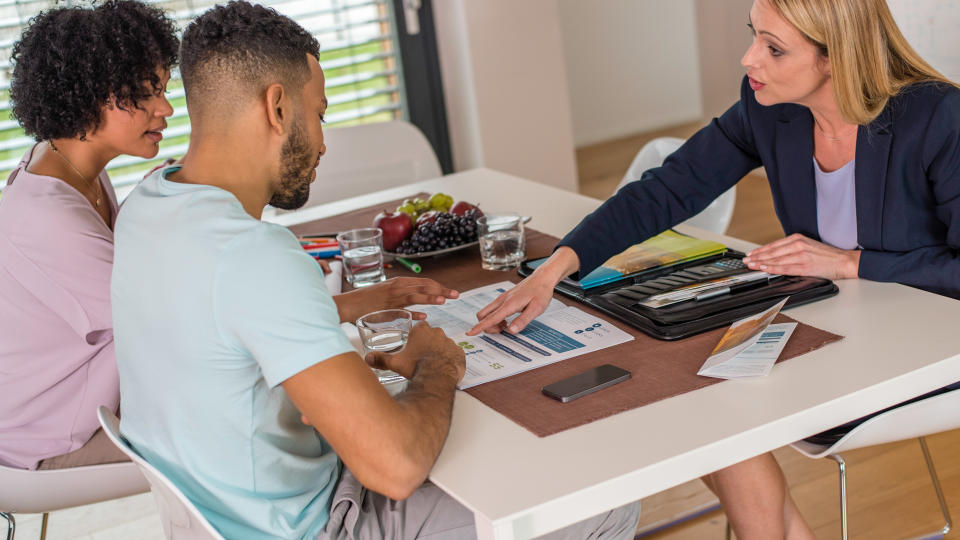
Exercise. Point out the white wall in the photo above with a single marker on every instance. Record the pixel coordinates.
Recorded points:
(931, 28)
(632, 65)
(505, 88)
(527, 81)
(723, 40)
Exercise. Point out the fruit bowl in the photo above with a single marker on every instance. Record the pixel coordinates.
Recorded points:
(437, 252)
(434, 253)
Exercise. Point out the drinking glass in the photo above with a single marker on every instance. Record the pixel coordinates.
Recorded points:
(385, 331)
(502, 243)
(362, 252)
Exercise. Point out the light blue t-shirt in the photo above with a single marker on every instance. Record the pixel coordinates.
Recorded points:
(212, 310)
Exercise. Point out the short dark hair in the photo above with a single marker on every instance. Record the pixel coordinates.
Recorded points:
(243, 44)
(70, 61)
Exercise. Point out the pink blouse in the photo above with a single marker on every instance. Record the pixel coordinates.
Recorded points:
(57, 363)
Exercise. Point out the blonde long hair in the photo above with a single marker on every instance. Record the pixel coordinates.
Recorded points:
(870, 60)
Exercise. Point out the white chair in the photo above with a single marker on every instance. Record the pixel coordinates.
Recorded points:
(181, 519)
(35, 492)
(371, 157)
(714, 218)
(915, 420)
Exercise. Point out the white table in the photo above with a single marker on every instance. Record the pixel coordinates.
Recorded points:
(900, 342)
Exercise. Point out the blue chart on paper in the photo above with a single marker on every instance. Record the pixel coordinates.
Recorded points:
(771, 337)
(506, 349)
(550, 338)
(523, 343)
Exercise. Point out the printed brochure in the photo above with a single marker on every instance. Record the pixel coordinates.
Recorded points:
(561, 332)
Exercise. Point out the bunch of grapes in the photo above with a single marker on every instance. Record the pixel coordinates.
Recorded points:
(447, 231)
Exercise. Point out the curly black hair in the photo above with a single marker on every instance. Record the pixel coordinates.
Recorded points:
(70, 62)
(242, 44)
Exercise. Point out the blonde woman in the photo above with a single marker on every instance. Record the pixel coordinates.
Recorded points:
(860, 139)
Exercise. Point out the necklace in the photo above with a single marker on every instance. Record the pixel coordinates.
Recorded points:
(835, 139)
(80, 174)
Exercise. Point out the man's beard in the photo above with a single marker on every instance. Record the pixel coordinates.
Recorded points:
(296, 168)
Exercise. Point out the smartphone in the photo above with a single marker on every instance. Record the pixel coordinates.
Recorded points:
(585, 383)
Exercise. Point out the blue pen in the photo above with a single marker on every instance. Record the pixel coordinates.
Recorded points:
(326, 253)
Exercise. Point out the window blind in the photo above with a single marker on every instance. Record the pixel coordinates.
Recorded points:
(358, 53)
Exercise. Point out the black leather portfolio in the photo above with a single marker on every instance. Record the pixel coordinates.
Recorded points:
(681, 300)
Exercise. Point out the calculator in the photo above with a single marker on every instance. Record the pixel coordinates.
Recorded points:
(645, 285)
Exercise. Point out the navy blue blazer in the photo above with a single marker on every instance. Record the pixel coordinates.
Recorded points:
(907, 185)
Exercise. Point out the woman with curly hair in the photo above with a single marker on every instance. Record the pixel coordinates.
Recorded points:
(88, 84)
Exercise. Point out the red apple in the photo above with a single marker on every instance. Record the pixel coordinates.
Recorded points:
(426, 217)
(396, 227)
(462, 207)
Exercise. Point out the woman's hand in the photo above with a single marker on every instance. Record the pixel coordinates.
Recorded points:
(797, 255)
(393, 293)
(530, 297)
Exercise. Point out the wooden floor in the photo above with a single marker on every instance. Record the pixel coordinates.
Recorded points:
(890, 495)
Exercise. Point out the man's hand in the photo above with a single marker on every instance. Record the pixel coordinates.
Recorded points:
(797, 255)
(530, 297)
(390, 444)
(393, 293)
(426, 346)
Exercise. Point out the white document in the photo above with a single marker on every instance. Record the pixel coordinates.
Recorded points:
(750, 347)
(757, 359)
(561, 332)
(334, 279)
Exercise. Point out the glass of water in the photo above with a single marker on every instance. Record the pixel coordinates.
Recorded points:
(502, 243)
(362, 252)
(385, 331)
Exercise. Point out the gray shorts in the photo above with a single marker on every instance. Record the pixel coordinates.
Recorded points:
(359, 514)
(96, 451)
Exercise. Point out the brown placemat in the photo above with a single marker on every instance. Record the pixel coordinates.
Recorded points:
(661, 369)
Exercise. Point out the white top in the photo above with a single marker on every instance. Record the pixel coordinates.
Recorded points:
(213, 309)
(837, 205)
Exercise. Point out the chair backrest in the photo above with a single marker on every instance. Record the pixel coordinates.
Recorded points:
(48, 490)
(918, 419)
(180, 518)
(715, 217)
(370, 157)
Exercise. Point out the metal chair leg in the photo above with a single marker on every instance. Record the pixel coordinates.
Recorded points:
(936, 486)
(842, 466)
(43, 526)
(11, 524)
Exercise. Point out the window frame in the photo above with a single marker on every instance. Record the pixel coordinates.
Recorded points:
(416, 81)
(420, 58)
